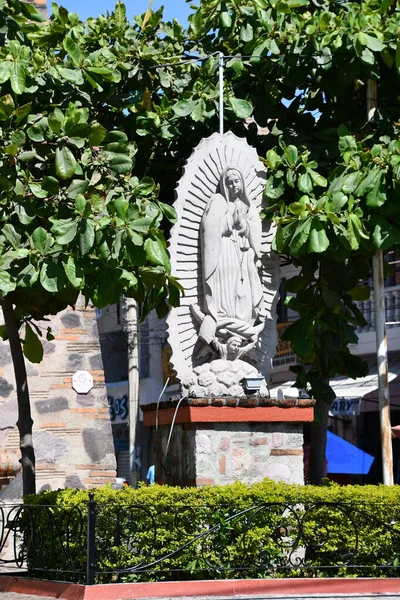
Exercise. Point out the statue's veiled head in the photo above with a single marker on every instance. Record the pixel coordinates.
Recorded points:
(232, 185)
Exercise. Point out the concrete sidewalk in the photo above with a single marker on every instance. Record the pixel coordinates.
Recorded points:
(13, 596)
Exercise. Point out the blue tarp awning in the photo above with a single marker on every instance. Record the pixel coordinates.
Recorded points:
(343, 457)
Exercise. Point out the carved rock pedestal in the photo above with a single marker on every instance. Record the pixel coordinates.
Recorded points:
(217, 441)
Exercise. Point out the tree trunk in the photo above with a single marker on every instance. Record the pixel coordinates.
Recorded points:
(25, 421)
(318, 444)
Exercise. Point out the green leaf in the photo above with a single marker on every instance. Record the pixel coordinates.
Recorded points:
(273, 159)
(184, 108)
(145, 187)
(385, 234)
(291, 154)
(37, 132)
(80, 204)
(273, 46)
(76, 187)
(353, 231)
(73, 50)
(377, 196)
(197, 22)
(225, 19)
(297, 3)
(5, 70)
(86, 236)
(368, 182)
(42, 240)
(65, 163)
(275, 186)
(52, 276)
(18, 138)
(374, 44)
(300, 236)
(116, 136)
(304, 183)
(28, 276)
(169, 211)
(106, 292)
(321, 390)
(246, 33)
(7, 107)
(120, 163)
(242, 108)
(360, 293)
(347, 143)
(317, 178)
(65, 231)
(199, 110)
(351, 182)
(7, 284)
(74, 273)
(22, 112)
(296, 208)
(11, 235)
(156, 253)
(51, 185)
(318, 241)
(97, 134)
(71, 75)
(18, 78)
(301, 336)
(32, 346)
(120, 15)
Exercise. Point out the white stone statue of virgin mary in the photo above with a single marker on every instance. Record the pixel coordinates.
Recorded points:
(220, 250)
(231, 250)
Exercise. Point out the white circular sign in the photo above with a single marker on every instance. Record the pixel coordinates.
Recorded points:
(82, 382)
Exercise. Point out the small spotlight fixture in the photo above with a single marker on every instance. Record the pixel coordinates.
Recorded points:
(251, 385)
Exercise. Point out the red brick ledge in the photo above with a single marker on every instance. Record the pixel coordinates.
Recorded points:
(233, 402)
(177, 589)
(226, 414)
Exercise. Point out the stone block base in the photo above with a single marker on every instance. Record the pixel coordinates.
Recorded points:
(219, 448)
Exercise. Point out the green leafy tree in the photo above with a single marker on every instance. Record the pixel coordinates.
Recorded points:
(333, 187)
(98, 117)
(74, 217)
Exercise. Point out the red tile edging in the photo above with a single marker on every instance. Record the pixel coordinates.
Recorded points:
(176, 589)
(227, 414)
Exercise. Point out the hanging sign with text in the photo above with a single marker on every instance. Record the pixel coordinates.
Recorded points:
(346, 407)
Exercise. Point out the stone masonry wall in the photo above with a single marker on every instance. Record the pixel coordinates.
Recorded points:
(221, 453)
(72, 432)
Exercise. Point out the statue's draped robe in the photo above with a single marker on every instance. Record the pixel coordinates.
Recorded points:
(232, 287)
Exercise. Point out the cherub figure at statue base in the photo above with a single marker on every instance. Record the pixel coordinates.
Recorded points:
(219, 341)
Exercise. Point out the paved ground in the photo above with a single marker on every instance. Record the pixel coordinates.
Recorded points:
(12, 596)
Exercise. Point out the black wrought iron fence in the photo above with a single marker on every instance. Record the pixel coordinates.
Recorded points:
(109, 542)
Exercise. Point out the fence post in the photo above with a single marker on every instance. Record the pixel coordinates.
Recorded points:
(91, 541)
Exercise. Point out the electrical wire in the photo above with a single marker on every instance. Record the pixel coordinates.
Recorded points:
(170, 435)
(201, 59)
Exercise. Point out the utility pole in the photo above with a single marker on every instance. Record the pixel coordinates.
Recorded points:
(131, 327)
(380, 330)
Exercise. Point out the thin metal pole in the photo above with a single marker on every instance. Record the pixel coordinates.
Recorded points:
(221, 93)
(131, 328)
(91, 542)
(381, 335)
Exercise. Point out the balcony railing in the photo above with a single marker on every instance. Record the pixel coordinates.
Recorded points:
(392, 309)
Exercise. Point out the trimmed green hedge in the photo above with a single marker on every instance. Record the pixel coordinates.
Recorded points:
(280, 530)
